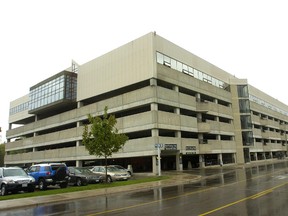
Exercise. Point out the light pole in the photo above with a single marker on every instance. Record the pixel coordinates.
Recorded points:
(158, 146)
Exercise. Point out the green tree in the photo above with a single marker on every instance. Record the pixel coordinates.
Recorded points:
(2, 154)
(101, 137)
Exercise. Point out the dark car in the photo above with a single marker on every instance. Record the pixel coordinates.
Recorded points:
(15, 179)
(46, 174)
(82, 176)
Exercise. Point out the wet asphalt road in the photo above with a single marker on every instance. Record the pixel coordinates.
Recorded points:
(256, 190)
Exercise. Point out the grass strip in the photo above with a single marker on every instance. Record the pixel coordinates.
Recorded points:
(69, 189)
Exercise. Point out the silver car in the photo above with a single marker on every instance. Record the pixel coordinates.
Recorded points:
(14, 179)
(130, 171)
(113, 173)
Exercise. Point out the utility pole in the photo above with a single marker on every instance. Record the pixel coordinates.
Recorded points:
(158, 146)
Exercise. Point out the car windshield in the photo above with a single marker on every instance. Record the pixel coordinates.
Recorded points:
(83, 171)
(119, 167)
(14, 172)
(112, 169)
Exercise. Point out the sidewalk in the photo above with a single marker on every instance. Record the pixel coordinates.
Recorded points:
(176, 178)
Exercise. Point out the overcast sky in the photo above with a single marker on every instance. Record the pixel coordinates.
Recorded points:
(39, 38)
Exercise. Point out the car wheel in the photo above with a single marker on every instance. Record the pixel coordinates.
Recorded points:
(31, 189)
(109, 179)
(3, 190)
(79, 182)
(42, 184)
(64, 185)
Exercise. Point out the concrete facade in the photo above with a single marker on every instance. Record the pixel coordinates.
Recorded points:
(160, 94)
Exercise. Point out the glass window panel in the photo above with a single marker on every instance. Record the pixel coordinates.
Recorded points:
(61, 95)
(190, 71)
(200, 75)
(173, 64)
(221, 84)
(167, 59)
(209, 78)
(213, 81)
(218, 83)
(247, 138)
(179, 66)
(244, 106)
(246, 122)
(196, 75)
(185, 68)
(204, 76)
(159, 58)
(242, 91)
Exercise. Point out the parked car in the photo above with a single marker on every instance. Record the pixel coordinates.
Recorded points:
(46, 174)
(15, 179)
(82, 176)
(130, 171)
(113, 173)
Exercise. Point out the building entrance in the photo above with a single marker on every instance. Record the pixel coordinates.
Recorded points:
(190, 161)
(168, 162)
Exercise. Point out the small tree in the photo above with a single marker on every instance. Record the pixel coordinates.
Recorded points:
(2, 154)
(101, 137)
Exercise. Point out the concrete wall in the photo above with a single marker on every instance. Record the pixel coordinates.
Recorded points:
(126, 65)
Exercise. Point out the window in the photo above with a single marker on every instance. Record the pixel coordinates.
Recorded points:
(167, 61)
(181, 67)
(160, 58)
(246, 122)
(244, 106)
(242, 91)
(247, 138)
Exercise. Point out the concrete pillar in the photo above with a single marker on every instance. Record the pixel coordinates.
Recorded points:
(78, 143)
(155, 132)
(153, 106)
(200, 138)
(79, 104)
(153, 82)
(177, 111)
(234, 158)
(256, 156)
(198, 97)
(271, 155)
(199, 117)
(176, 88)
(79, 163)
